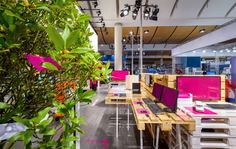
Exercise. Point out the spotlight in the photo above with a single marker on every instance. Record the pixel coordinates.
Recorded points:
(155, 11)
(135, 13)
(124, 40)
(125, 11)
(95, 4)
(202, 30)
(146, 31)
(131, 32)
(203, 51)
(99, 12)
(101, 20)
(214, 51)
(146, 13)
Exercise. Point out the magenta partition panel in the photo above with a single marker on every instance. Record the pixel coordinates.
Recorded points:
(118, 75)
(233, 71)
(202, 87)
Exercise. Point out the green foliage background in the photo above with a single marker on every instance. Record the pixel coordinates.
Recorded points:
(45, 28)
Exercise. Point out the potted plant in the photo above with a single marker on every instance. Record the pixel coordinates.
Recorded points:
(55, 29)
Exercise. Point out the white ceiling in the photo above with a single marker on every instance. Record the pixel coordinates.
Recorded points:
(185, 13)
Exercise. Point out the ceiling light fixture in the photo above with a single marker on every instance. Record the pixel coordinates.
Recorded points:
(95, 4)
(148, 9)
(99, 12)
(203, 51)
(146, 31)
(234, 48)
(146, 13)
(234, 51)
(155, 11)
(135, 13)
(194, 51)
(221, 51)
(124, 40)
(131, 32)
(214, 51)
(101, 20)
(202, 30)
(125, 11)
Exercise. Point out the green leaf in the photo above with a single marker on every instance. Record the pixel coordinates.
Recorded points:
(72, 138)
(65, 34)
(17, 136)
(44, 8)
(70, 56)
(10, 13)
(72, 38)
(47, 131)
(55, 37)
(25, 122)
(49, 66)
(88, 94)
(4, 105)
(42, 114)
(45, 123)
(80, 50)
(27, 136)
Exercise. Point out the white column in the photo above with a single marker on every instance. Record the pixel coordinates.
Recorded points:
(141, 42)
(118, 46)
(173, 64)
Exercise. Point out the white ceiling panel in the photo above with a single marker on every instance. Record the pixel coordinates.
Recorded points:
(108, 9)
(217, 8)
(188, 8)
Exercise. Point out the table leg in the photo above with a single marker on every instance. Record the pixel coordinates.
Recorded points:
(179, 136)
(141, 139)
(157, 136)
(117, 122)
(128, 117)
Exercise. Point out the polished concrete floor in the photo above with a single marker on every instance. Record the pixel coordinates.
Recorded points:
(100, 128)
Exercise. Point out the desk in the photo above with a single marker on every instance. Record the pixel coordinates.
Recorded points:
(113, 97)
(163, 121)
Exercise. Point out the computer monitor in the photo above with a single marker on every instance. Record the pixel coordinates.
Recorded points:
(169, 98)
(157, 90)
(201, 87)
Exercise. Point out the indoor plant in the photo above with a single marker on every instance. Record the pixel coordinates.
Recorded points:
(52, 28)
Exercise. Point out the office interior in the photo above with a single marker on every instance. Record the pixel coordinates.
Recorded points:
(114, 74)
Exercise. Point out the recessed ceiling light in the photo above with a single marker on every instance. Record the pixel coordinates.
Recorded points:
(214, 51)
(234, 48)
(202, 30)
(203, 51)
(221, 51)
(131, 32)
(194, 51)
(234, 51)
(146, 31)
(228, 51)
(123, 39)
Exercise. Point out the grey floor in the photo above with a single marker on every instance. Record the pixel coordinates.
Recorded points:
(100, 128)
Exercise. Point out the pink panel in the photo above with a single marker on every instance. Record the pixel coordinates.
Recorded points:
(118, 75)
(206, 111)
(36, 61)
(201, 87)
(184, 95)
(137, 102)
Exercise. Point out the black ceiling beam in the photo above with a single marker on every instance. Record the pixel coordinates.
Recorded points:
(173, 9)
(189, 34)
(103, 36)
(90, 8)
(170, 36)
(201, 10)
(153, 35)
(228, 12)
